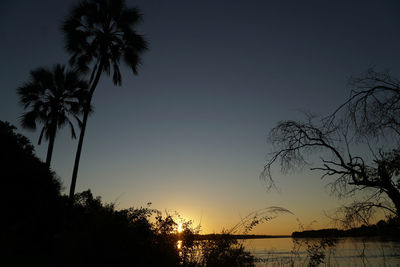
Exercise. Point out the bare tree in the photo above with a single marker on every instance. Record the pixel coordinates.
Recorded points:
(358, 145)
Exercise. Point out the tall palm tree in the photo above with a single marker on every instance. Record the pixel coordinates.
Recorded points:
(52, 97)
(98, 34)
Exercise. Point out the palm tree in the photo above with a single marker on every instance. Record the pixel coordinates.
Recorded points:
(52, 97)
(98, 34)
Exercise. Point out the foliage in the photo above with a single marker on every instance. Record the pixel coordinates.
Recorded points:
(42, 228)
(98, 34)
(28, 184)
(358, 145)
(316, 250)
(103, 236)
(225, 251)
(52, 96)
(30, 198)
(14, 143)
(101, 32)
(110, 237)
(257, 217)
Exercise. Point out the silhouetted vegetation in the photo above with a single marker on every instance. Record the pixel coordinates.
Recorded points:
(225, 251)
(43, 228)
(31, 200)
(53, 98)
(98, 34)
(358, 145)
(233, 236)
(390, 228)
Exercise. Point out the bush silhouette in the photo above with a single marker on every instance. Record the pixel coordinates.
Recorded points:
(31, 199)
(44, 228)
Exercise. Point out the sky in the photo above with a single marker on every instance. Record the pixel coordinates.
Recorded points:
(188, 134)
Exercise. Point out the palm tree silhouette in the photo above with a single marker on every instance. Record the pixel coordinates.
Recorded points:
(98, 34)
(52, 97)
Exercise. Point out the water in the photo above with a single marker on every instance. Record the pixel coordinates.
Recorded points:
(345, 252)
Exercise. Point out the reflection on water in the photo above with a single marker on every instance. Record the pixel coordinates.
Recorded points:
(179, 244)
(346, 252)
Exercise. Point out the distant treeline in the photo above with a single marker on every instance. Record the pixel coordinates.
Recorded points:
(382, 228)
(231, 236)
(42, 227)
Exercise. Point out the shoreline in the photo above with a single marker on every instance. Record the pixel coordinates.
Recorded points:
(218, 236)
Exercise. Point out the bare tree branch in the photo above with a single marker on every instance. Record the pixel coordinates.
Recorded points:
(369, 120)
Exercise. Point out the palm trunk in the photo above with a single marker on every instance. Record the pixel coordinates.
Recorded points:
(82, 133)
(52, 138)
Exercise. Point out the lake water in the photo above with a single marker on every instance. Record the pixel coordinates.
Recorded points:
(345, 252)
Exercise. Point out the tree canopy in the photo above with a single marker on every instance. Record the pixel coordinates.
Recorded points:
(98, 34)
(52, 98)
(358, 145)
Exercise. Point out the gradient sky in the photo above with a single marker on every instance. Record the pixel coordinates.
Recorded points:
(189, 132)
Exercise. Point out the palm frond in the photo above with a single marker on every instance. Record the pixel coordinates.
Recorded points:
(103, 31)
(42, 78)
(28, 93)
(52, 96)
(28, 119)
(41, 135)
(78, 120)
(58, 77)
(71, 126)
(117, 78)
(129, 17)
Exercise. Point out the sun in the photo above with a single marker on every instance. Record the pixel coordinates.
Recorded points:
(180, 228)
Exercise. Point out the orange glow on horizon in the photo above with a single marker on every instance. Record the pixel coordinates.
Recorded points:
(180, 228)
(179, 244)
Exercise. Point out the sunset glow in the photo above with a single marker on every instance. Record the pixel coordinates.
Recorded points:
(180, 228)
(189, 133)
(200, 133)
(179, 244)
